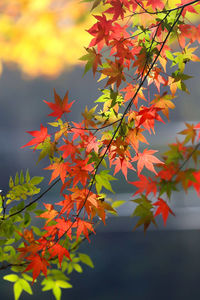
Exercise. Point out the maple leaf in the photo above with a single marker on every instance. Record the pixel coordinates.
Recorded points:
(67, 204)
(33, 248)
(145, 184)
(122, 164)
(39, 137)
(90, 143)
(93, 60)
(60, 251)
(83, 227)
(101, 31)
(190, 133)
(142, 62)
(163, 209)
(146, 159)
(143, 211)
(155, 78)
(69, 149)
(164, 102)
(196, 183)
(185, 177)
(116, 9)
(27, 235)
(188, 31)
(64, 227)
(134, 136)
(60, 106)
(81, 171)
(103, 180)
(79, 130)
(188, 8)
(147, 116)
(168, 171)
(88, 115)
(50, 214)
(115, 72)
(130, 92)
(156, 4)
(38, 264)
(197, 127)
(84, 198)
(61, 228)
(60, 169)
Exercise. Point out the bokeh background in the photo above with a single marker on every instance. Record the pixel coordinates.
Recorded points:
(40, 44)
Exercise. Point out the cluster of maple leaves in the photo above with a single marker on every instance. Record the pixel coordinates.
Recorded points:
(131, 48)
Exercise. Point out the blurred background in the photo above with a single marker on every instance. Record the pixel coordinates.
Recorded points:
(41, 42)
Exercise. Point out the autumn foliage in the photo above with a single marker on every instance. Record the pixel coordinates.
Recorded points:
(133, 52)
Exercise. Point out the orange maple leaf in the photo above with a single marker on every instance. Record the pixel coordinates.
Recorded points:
(190, 133)
(164, 102)
(60, 169)
(50, 214)
(130, 92)
(134, 136)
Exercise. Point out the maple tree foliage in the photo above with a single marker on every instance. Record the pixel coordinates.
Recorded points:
(131, 49)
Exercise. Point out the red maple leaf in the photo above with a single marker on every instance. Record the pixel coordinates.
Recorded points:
(60, 106)
(79, 130)
(167, 172)
(122, 164)
(101, 31)
(67, 204)
(145, 184)
(146, 159)
(81, 171)
(64, 227)
(163, 209)
(38, 264)
(116, 9)
(197, 127)
(83, 227)
(196, 183)
(147, 116)
(156, 4)
(61, 228)
(69, 149)
(39, 137)
(60, 251)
